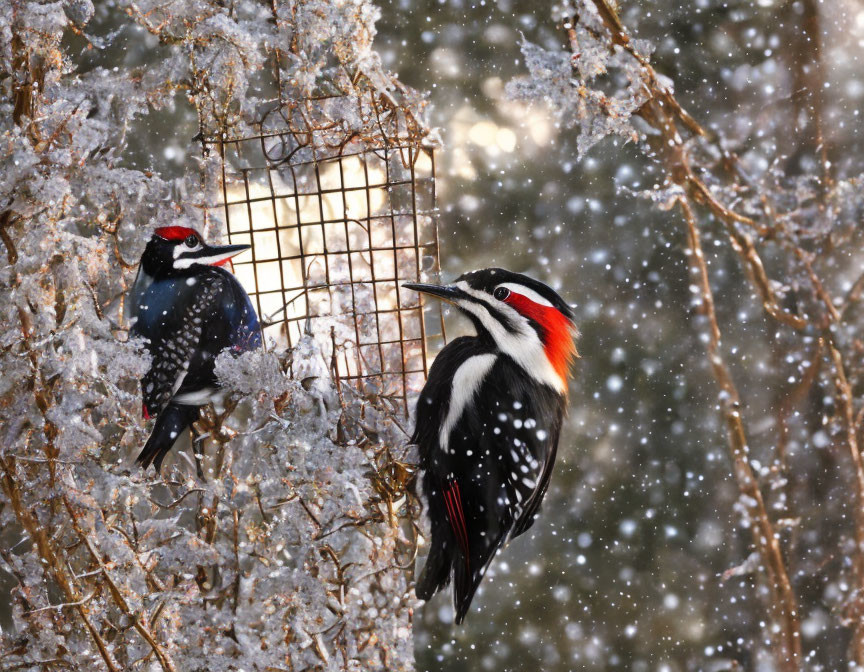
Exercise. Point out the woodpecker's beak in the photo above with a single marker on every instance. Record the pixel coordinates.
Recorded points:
(217, 255)
(448, 294)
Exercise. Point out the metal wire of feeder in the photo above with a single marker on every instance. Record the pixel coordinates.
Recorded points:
(335, 230)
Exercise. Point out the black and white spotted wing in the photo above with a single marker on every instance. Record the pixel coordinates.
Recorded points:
(486, 482)
(187, 322)
(176, 344)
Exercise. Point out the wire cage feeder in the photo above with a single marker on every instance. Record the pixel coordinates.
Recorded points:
(336, 227)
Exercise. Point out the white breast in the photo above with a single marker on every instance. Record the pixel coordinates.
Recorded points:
(466, 382)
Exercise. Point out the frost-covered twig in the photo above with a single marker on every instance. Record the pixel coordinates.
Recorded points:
(181, 572)
(765, 538)
(801, 225)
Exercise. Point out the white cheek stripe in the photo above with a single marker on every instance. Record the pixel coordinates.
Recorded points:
(204, 261)
(523, 346)
(528, 293)
(466, 382)
(181, 248)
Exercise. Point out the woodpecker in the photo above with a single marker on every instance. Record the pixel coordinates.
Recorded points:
(188, 308)
(488, 421)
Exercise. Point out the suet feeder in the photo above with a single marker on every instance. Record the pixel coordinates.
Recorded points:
(339, 215)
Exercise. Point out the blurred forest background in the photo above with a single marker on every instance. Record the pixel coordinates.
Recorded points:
(642, 558)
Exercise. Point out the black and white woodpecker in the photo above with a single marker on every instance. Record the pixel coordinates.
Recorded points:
(189, 309)
(488, 421)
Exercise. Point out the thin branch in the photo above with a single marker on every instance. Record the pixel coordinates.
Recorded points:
(783, 604)
(846, 404)
(53, 564)
(142, 628)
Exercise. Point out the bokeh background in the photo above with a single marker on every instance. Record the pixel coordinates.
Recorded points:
(625, 568)
(639, 560)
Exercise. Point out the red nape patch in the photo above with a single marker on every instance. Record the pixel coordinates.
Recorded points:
(453, 502)
(175, 232)
(558, 332)
(145, 412)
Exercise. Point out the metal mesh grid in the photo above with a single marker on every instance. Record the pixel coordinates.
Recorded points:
(334, 234)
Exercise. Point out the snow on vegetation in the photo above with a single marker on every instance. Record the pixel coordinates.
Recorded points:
(769, 228)
(291, 553)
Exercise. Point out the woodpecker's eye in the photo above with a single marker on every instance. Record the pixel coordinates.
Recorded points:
(191, 240)
(501, 293)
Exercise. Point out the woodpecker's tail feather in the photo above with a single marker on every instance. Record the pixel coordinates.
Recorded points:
(468, 577)
(464, 586)
(436, 576)
(173, 419)
(436, 572)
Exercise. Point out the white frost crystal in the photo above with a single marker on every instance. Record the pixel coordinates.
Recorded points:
(285, 556)
(572, 84)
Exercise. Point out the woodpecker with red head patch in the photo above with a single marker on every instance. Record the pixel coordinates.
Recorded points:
(488, 421)
(189, 309)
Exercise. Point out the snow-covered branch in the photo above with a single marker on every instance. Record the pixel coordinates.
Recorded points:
(295, 550)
